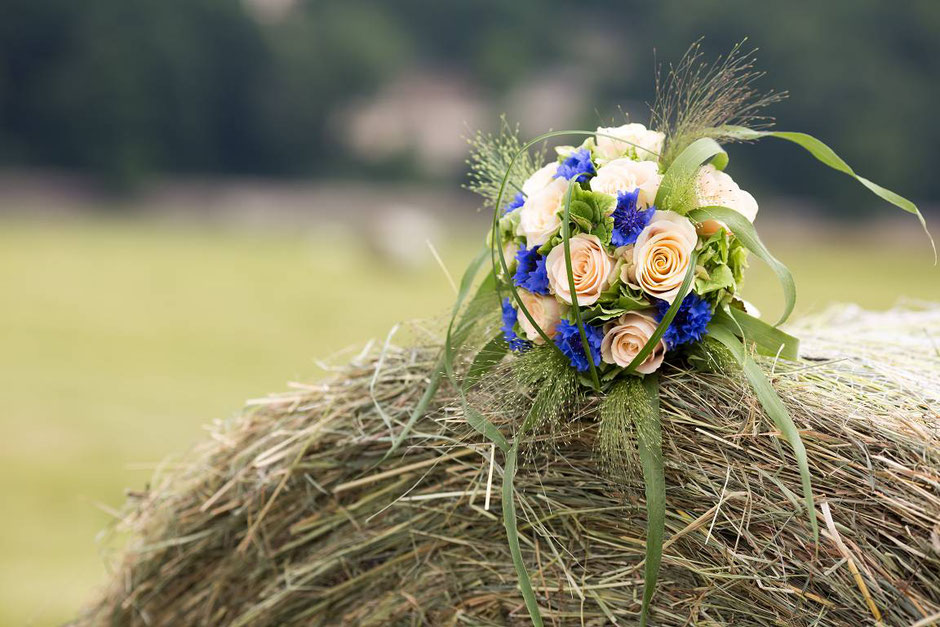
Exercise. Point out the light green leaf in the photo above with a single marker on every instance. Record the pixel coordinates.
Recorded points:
(512, 532)
(769, 340)
(649, 446)
(719, 277)
(744, 231)
(774, 408)
(827, 156)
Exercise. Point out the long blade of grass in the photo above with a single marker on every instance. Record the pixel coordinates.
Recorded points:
(747, 235)
(774, 408)
(566, 242)
(769, 340)
(827, 156)
(512, 532)
(650, 449)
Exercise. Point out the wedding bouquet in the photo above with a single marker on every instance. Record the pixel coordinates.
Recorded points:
(623, 252)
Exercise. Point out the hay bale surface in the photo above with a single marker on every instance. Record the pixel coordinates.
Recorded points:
(290, 515)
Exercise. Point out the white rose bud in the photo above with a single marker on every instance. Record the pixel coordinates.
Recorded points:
(626, 175)
(538, 217)
(662, 254)
(545, 310)
(625, 337)
(590, 265)
(714, 187)
(633, 140)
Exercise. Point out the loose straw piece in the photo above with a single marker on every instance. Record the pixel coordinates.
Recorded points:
(860, 582)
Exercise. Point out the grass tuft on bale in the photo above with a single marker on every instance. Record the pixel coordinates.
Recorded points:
(289, 515)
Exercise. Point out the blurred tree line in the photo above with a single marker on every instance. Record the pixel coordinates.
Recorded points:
(123, 89)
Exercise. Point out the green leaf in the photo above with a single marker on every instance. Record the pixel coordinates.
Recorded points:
(589, 212)
(719, 277)
(649, 446)
(774, 408)
(679, 179)
(744, 231)
(512, 532)
(632, 406)
(769, 340)
(827, 156)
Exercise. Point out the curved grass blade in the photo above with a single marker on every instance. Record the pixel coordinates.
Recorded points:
(774, 408)
(747, 235)
(453, 337)
(667, 319)
(684, 168)
(650, 449)
(566, 242)
(769, 340)
(512, 532)
(827, 156)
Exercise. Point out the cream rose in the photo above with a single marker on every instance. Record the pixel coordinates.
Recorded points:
(538, 181)
(625, 337)
(538, 217)
(626, 175)
(634, 140)
(590, 265)
(662, 253)
(714, 187)
(545, 310)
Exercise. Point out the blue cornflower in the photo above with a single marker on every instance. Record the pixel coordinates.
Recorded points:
(628, 220)
(530, 271)
(568, 339)
(510, 315)
(577, 166)
(689, 324)
(517, 201)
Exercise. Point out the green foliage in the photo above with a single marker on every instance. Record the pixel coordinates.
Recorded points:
(589, 213)
(720, 269)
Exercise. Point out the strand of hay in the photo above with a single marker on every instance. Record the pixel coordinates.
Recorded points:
(289, 515)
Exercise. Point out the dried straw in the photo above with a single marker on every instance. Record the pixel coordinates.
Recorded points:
(290, 515)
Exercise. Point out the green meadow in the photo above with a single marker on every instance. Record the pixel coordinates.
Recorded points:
(120, 340)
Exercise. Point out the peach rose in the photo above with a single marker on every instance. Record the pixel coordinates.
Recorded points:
(545, 310)
(538, 217)
(625, 337)
(590, 265)
(714, 187)
(662, 254)
(634, 140)
(626, 175)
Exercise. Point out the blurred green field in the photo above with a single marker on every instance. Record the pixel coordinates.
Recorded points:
(120, 339)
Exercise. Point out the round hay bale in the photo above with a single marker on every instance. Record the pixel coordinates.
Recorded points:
(291, 514)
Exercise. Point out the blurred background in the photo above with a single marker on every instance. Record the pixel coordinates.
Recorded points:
(201, 198)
